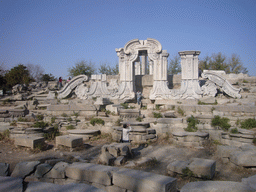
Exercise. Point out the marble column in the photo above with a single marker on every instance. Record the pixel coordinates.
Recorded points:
(143, 64)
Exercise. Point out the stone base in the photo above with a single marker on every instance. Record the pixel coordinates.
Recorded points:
(28, 141)
(69, 141)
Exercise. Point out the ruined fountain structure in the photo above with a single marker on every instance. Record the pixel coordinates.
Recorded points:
(142, 57)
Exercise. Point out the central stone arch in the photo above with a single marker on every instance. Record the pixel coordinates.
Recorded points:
(157, 67)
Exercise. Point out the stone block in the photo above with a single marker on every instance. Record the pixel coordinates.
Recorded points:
(225, 151)
(42, 169)
(29, 141)
(42, 187)
(203, 167)
(11, 184)
(106, 158)
(244, 158)
(90, 172)
(69, 141)
(4, 169)
(220, 186)
(177, 167)
(52, 162)
(24, 169)
(114, 188)
(139, 181)
(250, 181)
(58, 171)
(120, 161)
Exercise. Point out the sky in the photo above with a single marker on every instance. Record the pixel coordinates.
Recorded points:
(56, 34)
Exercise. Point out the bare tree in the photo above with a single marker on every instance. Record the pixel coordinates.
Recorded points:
(35, 71)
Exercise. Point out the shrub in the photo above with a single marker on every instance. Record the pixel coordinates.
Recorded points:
(70, 127)
(53, 119)
(217, 121)
(248, 123)
(144, 107)
(234, 131)
(51, 135)
(69, 119)
(76, 114)
(64, 115)
(40, 117)
(5, 135)
(118, 122)
(125, 105)
(192, 122)
(186, 172)
(157, 107)
(13, 123)
(203, 103)
(180, 111)
(157, 115)
(94, 121)
(21, 119)
(254, 141)
(40, 124)
(140, 119)
(245, 81)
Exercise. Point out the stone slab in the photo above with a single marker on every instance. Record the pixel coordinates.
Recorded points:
(25, 168)
(216, 186)
(140, 181)
(91, 172)
(4, 169)
(43, 187)
(244, 158)
(203, 167)
(11, 184)
(250, 181)
(42, 169)
(58, 171)
(69, 141)
(29, 141)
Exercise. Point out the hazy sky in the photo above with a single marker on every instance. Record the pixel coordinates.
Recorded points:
(58, 33)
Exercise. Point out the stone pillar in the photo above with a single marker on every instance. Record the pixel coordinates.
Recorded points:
(143, 64)
(190, 87)
(150, 66)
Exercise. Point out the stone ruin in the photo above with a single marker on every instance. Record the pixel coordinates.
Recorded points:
(143, 67)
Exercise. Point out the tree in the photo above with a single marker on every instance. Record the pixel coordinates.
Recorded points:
(205, 63)
(82, 68)
(174, 65)
(35, 71)
(108, 70)
(235, 65)
(17, 75)
(219, 62)
(47, 77)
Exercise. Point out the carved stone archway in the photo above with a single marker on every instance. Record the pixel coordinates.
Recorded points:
(158, 63)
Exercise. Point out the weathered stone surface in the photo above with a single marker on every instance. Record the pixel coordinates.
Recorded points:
(118, 149)
(250, 181)
(58, 171)
(29, 141)
(42, 187)
(90, 172)
(170, 120)
(11, 184)
(225, 151)
(114, 188)
(203, 167)
(69, 141)
(177, 167)
(216, 186)
(52, 162)
(244, 158)
(106, 158)
(4, 169)
(23, 169)
(143, 181)
(42, 169)
(120, 160)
